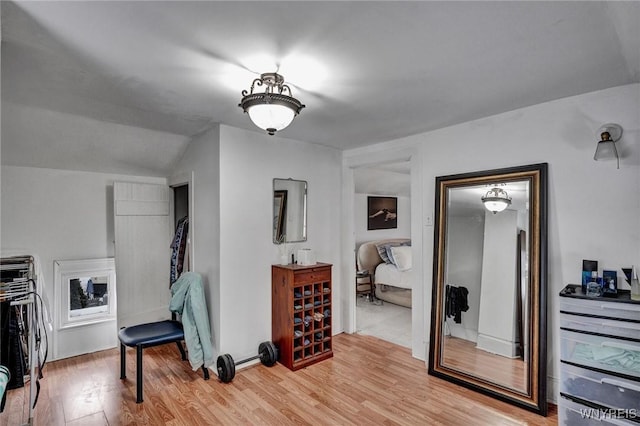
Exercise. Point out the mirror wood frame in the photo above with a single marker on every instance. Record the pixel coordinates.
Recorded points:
(534, 397)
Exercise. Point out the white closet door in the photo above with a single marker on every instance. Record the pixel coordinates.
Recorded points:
(143, 233)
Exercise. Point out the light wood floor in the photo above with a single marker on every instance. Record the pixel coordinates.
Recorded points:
(464, 356)
(369, 381)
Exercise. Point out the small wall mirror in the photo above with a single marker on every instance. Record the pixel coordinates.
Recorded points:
(488, 323)
(289, 211)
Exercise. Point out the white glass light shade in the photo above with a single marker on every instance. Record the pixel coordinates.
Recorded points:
(606, 148)
(271, 110)
(496, 200)
(496, 205)
(271, 117)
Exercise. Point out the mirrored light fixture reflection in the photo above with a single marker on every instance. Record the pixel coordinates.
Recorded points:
(271, 110)
(496, 200)
(609, 134)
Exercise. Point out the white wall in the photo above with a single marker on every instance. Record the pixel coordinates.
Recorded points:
(594, 209)
(497, 320)
(249, 161)
(465, 240)
(202, 157)
(58, 215)
(404, 220)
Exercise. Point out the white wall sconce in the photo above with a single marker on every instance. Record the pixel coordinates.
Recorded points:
(496, 200)
(606, 149)
(272, 109)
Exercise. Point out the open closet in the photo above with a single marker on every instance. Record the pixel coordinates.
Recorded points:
(181, 247)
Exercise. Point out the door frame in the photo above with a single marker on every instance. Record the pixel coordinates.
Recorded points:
(419, 295)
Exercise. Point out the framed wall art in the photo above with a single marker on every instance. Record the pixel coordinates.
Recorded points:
(382, 213)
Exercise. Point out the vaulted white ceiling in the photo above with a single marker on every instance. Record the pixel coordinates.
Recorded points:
(367, 71)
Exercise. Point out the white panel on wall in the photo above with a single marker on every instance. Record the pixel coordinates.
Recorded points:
(142, 252)
(142, 208)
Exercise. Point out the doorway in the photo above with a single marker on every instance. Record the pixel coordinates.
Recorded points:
(386, 311)
(183, 221)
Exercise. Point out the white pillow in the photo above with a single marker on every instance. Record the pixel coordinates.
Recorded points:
(402, 257)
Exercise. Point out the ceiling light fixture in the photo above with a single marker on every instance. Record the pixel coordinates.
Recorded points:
(609, 134)
(496, 200)
(271, 110)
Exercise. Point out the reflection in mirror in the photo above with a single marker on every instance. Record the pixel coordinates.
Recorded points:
(488, 316)
(289, 211)
(482, 259)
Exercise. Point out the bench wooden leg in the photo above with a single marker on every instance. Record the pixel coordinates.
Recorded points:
(123, 362)
(138, 374)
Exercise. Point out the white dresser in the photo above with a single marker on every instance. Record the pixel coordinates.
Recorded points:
(600, 359)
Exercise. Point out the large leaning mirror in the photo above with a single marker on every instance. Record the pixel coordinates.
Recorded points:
(488, 320)
(289, 211)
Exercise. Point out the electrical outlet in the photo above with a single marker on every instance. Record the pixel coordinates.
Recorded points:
(429, 221)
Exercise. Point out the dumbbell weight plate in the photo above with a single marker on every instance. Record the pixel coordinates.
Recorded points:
(226, 368)
(274, 353)
(268, 353)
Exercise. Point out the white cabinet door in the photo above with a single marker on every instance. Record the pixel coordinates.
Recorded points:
(143, 232)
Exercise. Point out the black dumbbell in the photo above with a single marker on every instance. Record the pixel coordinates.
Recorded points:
(267, 352)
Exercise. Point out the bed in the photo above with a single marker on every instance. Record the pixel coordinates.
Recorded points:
(389, 262)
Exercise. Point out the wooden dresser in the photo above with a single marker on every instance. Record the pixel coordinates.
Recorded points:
(600, 359)
(301, 313)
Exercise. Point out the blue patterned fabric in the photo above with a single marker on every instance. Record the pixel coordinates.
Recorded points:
(178, 247)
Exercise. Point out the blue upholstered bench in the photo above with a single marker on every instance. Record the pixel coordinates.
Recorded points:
(145, 336)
